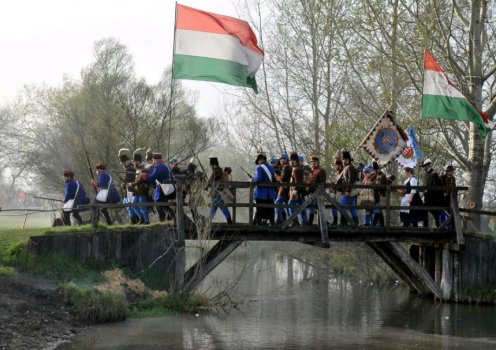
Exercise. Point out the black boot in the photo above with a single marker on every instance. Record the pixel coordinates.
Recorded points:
(335, 221)
(229, 221)
(344, 222)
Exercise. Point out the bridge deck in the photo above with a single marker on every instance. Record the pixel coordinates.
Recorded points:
(312, 234)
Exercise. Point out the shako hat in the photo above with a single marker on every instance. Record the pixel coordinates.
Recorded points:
(449, 168)
(214, 161)
(293, 156)
(124, 154)
(138, 155)
(261, 156)
(228, 170)
(346, 155)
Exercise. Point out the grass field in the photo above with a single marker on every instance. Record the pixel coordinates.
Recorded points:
(16, 221)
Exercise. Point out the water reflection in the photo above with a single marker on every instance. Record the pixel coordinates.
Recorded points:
(287, 304)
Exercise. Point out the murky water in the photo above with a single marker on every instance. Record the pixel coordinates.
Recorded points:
(285, 304)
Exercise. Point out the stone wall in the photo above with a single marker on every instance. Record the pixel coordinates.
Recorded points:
(135, 248)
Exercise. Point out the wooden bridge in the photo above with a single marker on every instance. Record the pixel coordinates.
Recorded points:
(430, 260)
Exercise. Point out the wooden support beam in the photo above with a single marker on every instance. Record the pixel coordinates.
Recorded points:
(418, 270)
(309, 201)
(322, 216)
(95, 216)
(339, 208)
(406, 267)
(217, 254)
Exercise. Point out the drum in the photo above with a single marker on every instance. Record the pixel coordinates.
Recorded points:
(366, 197)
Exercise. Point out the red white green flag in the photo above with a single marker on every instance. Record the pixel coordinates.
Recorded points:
(442, 100)
(216, 48)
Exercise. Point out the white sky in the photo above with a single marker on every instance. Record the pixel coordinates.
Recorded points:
(43, 40)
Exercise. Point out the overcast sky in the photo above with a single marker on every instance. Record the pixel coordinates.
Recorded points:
(43, 40)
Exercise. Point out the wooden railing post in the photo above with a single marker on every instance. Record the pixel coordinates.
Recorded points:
(234, 204)
(388, 207)
(455, 212)
(95, 215)
(250, 205)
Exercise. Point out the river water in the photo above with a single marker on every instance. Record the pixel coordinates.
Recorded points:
(283, 303)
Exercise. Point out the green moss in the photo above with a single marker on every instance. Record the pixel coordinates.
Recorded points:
(7, 271)
(482, 295)
(91, 306)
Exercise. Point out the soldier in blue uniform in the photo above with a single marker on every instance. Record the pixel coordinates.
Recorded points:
(264, 194)
(159, 174)
(74, 190)
(105, 183)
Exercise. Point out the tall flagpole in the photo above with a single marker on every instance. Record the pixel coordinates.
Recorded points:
(172, 84)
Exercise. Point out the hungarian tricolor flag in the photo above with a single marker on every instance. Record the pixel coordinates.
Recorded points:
(215, 48)
(442, 100)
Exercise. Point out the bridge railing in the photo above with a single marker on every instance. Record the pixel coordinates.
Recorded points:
(240, 195)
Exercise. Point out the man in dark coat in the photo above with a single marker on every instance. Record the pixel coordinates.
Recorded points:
(432, 198)
(317, 176)
(215, 190)
(74, 190)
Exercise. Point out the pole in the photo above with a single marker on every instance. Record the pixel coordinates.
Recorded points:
(172, 83)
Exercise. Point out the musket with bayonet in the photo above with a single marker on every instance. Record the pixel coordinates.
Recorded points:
(246, 172)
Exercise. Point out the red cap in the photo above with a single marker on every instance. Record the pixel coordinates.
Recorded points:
(68, 172)
(100, 166)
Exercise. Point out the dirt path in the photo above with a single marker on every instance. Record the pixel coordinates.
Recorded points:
(33, 314)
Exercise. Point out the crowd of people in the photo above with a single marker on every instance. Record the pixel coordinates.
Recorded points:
(147, 177)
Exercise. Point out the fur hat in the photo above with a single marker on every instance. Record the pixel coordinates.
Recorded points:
(346, 155)
(68, 172)
(100, 166)
(124, 154)
(293, 156)
(138, 155)
(214, 161)
(228, 170)
(157, 155)
(261, 156)
(448, 168)
(375, 166)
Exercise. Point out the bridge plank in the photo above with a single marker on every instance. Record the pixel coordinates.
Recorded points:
(305, 204)
(322, 216)
(339, 208)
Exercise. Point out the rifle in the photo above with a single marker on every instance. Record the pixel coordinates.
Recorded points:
(49, 199)
(246, 172)
(89, 163)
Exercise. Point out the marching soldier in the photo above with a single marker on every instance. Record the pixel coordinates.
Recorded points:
(215, 189)
(129, 179)
(317, 176)
(73, 196)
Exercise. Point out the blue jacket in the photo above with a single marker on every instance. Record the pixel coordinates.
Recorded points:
(160, 172)
(262, 192)
(103, 184)
(70, 192)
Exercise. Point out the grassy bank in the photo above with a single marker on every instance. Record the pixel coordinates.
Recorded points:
(97, 292)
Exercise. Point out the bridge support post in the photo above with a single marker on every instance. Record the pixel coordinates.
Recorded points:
(447, 275)
(180, 244)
